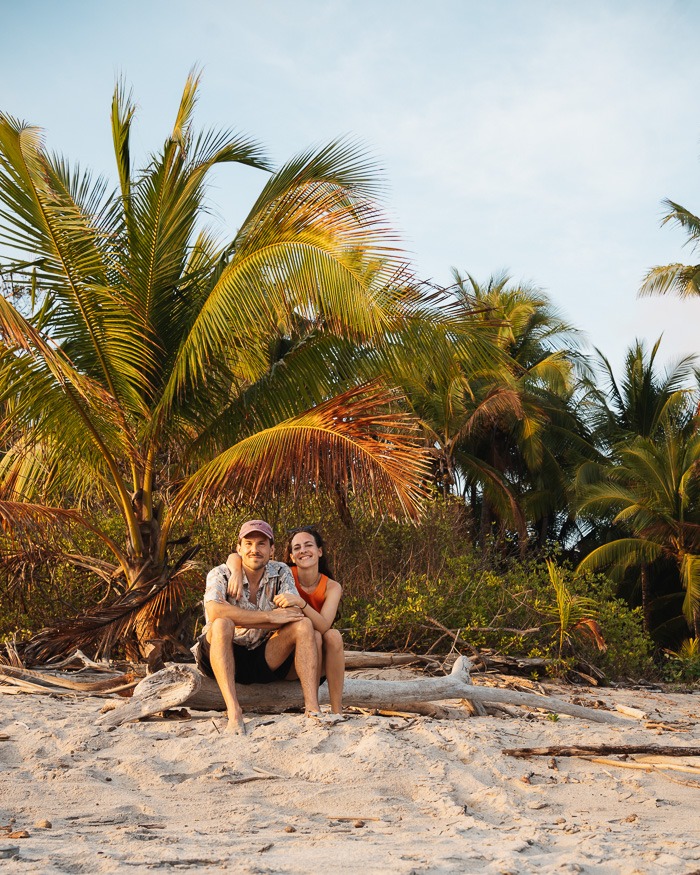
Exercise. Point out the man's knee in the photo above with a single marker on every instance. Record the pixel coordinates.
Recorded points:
(222, 629)
(333, 640)
(304, 630)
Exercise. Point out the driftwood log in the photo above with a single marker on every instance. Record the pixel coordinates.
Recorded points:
(185, 686)
(48, 682)
(355, 659)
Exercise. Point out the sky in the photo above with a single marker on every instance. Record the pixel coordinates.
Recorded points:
(529, 136)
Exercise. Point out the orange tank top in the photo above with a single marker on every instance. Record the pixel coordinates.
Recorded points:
(318, 596)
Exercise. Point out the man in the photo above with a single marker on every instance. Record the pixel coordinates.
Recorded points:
(248, 639)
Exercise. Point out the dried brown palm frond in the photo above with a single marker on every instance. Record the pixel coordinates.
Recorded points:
(19, 516)
(98, 629)
(23, 519)
(357, 442)
(11, 655)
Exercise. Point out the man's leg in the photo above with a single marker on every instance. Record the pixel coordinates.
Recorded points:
(301, 638)
(334, 660)
(220, 638)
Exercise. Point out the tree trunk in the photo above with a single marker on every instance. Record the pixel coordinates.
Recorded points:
(646, 597)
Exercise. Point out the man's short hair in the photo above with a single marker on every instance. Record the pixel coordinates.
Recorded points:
(259, 526)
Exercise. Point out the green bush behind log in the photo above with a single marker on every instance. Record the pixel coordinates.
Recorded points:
(397, 580)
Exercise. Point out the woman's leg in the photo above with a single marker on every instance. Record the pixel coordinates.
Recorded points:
(334, 667)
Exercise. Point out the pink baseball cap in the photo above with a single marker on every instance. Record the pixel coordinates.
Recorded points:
(259, 526)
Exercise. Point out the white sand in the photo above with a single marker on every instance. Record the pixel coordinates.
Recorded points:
(162, 794)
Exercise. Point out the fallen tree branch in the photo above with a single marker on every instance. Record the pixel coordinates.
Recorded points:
(52, 681)
(602, 750)
(355, 659)
(185, 686)
(79, 657)
(647, 765)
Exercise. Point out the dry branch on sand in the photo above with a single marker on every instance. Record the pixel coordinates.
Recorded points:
(584, 750)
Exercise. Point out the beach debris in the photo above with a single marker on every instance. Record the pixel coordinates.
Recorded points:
(356, 659)
(7, 852)
(185, 686)
(46, 682)
(643, 757)
(176, 714)
(18, 834)
(78, 659)
(290, 829)
(602, 750)
(632, 712)
(355, 820)
(246, 779)
(157, 692)
(669, 726)
(42, 824)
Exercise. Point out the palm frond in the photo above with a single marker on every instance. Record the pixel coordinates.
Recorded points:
(621, 554)
(354, 442)
(101, 628)
(21, 517)
(690, 578)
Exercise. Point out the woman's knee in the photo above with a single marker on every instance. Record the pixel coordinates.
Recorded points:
(333, 640)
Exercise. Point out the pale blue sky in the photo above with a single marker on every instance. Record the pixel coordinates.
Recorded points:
(530, 135)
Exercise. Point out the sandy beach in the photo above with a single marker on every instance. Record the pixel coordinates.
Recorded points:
(374, 794)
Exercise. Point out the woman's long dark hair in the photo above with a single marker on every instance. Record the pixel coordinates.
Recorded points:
(324, 565)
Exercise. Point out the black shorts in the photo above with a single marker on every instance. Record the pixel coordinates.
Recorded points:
(251, 666)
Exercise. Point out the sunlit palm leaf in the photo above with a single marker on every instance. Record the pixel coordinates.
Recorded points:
(354, 441)
(621, 554)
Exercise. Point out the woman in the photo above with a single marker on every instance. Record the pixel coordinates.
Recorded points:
(318, 596)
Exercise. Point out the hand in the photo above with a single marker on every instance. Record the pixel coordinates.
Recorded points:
(282, 616)
(235, 586)
(287, 600)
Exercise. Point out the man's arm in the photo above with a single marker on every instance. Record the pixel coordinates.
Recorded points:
(253, 619)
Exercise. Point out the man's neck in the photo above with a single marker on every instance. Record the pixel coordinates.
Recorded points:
(254, 577)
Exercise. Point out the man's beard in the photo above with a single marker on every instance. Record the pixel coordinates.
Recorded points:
(254, 564)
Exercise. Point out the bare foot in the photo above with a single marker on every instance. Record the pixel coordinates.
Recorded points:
(236, 725)
(324, 719)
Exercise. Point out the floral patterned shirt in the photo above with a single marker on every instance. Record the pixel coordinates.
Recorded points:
(277, 578)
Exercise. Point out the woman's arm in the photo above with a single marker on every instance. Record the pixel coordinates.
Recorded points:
(234, 563)
(322, 620)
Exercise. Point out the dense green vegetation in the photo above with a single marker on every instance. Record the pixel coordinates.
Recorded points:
(481, 481)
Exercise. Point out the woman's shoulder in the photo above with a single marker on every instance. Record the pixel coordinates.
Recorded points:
(332, 585)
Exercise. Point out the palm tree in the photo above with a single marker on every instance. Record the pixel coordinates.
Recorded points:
(682, 280)
(643, 403)
(438, 357)
(161, 370)
(529, 442)
(652, 491)
(643, 400)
